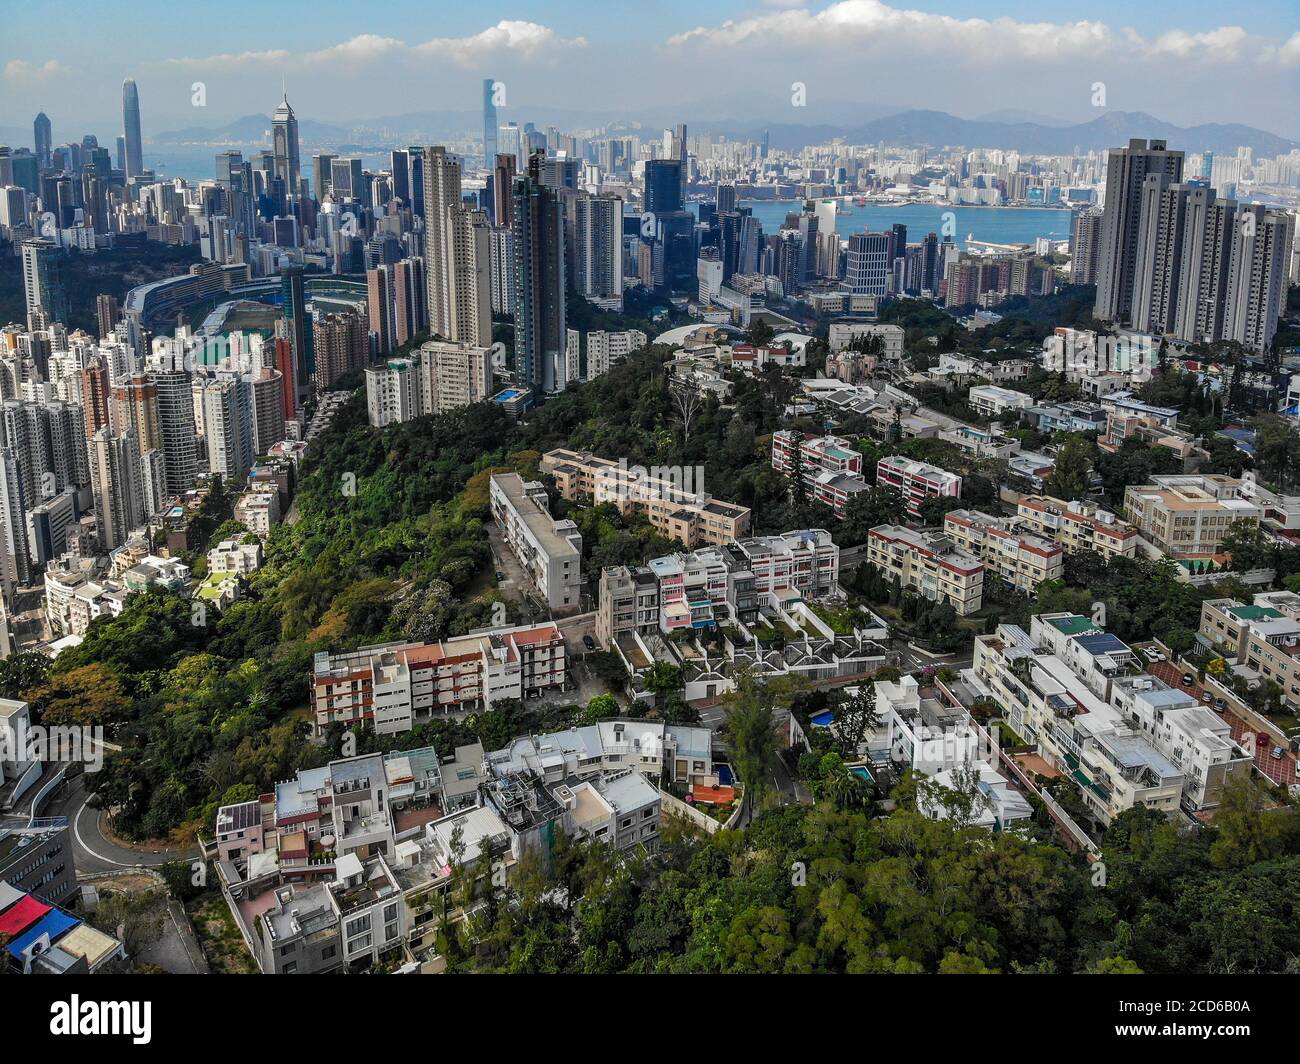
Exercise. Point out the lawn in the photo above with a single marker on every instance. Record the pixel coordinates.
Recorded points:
(222, 943)
(840, 619)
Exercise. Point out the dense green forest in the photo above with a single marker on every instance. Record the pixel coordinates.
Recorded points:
(835, 889)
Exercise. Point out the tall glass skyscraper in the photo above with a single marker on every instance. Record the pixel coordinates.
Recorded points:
(489, 124)
(43, 137)
(131, 128)
(284, 147)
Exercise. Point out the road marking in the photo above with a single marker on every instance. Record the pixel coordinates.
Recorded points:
(76, 831)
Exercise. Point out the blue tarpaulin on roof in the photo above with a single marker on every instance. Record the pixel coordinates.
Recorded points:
(55, 923)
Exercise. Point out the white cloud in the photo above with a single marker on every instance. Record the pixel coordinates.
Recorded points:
(858, 24)
(22, 72)
(528, 40)
(1289, 53)
(230, 59)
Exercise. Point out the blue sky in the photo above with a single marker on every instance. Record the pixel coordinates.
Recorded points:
(1186, 62)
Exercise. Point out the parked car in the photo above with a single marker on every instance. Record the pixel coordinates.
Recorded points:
(1188, 679)
(588, 642)
(1220, 704)
(1277, 753)
(1262, 737)
(1207, 697)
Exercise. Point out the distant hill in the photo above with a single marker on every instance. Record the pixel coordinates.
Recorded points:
(1109, 130)
(1004, 129)
(251, 129)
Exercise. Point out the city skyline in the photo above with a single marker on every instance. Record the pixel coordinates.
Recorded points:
(548, 58)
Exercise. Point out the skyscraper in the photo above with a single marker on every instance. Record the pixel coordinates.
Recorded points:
(539, 281)
(228, 426)
(1126, 172)
(400, 167)
(108, 312)
(118, 487)
(1257, 279)
(298, 327)
(322, 173)
(15, 563)
(489, 126)
(441, 194)
(598, 249)
(177, 428)
(380, 308)
(284, 147)
(663, 185)
(457, 255)
(867, 267)
(1158, 265)
(131, 128)
(503, 177)
(44, 139)
(1084, 238)
(47, 300)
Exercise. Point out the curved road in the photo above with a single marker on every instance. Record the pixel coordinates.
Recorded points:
(93, 851)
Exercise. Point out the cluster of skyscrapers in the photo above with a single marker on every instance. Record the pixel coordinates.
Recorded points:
(1173, 259)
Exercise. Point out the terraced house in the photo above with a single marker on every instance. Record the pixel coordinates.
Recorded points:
(393, 686)
(1020, 559)
(680, 510)
(1075, 730)
(1077, 526)
(929, 562)
(1262, 636)
(917, 481)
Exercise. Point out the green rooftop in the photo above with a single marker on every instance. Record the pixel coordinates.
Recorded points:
(1254, 613)
(1074, 624)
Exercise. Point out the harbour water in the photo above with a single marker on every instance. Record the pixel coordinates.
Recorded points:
(995, 225)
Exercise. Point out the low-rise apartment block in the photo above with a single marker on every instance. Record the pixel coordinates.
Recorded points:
(258, 510)
(929, 563)
(1077, 526)
(440, 377)
(1078, 733)
(1187, 516)
(347, 866)
(917, 481)
(1262, 636)
(680, 510)
(549, 550)
(394, 686)
(712, 586)
(1196, 739)
(36, 858)
(1021, 559)
(235, 556)
(831, 466)
(993, 401)
(605, 349)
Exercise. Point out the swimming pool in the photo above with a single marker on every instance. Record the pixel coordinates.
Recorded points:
(823, 719)
(861, 772)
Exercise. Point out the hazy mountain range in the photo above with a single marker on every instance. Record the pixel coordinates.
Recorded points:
(856, 124)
